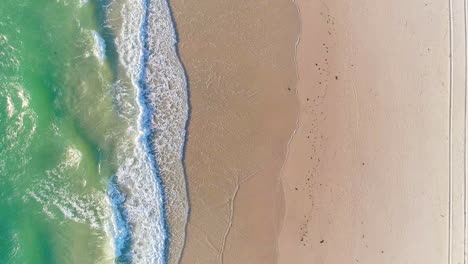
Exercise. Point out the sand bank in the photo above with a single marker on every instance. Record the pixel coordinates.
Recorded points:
(367, 178)
(239, 57)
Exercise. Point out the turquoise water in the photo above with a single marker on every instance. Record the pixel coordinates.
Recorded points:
(92, 115)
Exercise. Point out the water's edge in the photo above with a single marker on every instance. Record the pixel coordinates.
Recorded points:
(160, 81)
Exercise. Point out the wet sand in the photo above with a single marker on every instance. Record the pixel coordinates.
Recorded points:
(374, 164)
(239, 57)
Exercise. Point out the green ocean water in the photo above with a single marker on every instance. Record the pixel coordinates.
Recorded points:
(93, 109)
(58, 134)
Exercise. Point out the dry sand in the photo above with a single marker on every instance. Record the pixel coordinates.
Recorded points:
(367, 177)
(239, 56)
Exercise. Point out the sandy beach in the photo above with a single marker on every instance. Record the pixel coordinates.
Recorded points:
(375, 168)
(239, 58)
(356, 157)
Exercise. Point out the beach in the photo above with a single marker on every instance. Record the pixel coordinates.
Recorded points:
(374, 174)
(239, 58)
(356, 157)
(252, 132)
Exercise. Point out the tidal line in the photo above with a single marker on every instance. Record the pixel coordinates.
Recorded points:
(450, 204)
(465, 227)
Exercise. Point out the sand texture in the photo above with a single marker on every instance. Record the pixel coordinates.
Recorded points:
(375, 172)
(362, 159)
(239, 57)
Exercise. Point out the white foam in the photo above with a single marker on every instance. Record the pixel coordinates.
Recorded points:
(10, 107)
(136, 176)
(87, 209)
(9, 54)
(57, 196)
(168, 97)
(166, 91)
(65, 198)
(99, 46)
(21, 118)
(83, 2)
(116, 228)
(143, 205)
(24, 98)
(72, 158)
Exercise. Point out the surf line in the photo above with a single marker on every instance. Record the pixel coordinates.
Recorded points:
(146, 115)
(144, 142)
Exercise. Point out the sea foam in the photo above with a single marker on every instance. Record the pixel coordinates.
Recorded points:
(151, 175)
(165, 95)
(99, 47)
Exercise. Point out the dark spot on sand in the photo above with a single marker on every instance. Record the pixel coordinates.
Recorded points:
(336, 77)
(321, 241)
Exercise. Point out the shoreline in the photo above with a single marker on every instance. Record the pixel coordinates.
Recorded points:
(168, 121)
(162, 114)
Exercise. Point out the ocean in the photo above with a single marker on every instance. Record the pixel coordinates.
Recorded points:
(93, 110)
